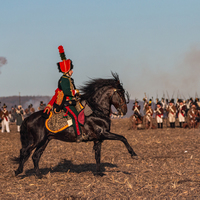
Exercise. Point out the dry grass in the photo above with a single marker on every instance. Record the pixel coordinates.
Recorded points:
(168, 167)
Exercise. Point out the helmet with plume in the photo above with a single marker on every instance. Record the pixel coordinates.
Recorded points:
(66, 65)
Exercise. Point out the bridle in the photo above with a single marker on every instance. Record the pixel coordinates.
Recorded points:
(119, 109)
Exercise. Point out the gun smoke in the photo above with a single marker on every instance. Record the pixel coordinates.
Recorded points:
(3, 61)
(182, 79)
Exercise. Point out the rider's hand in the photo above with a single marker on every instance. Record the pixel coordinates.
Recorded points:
(77, 91)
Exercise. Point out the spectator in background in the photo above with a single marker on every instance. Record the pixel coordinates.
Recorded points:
(5, 119)
(42, 106)
(31, 109)
(19, 117)
(12, 112)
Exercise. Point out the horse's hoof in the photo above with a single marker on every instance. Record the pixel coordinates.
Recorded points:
(99, 174)
(17, 172)
(39, 175)
(135, 157)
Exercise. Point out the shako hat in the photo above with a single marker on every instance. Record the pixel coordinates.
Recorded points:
(4, 106)
(180, 101)
(66, 64)
(171, 101)
(159, 103)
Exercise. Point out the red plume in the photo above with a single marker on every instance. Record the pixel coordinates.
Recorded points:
(61, 49)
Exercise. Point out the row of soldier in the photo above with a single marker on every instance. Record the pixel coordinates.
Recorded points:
(16, 114)
(187, 112)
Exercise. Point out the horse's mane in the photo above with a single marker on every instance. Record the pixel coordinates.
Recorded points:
(93, 85)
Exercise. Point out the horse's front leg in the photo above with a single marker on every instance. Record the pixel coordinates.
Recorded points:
(97, 149)
(113, 136)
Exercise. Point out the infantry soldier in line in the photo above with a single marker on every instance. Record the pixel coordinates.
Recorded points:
(5, 119)
(149, 114)
(181, 112)
(136, 110)
(192, 115)
(188, 105)
(171, 109)
(159, 115)
(145, 104)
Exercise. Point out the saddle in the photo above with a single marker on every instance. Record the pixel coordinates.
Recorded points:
(57, 122)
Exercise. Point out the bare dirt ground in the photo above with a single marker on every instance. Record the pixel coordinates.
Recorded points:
(168, 167)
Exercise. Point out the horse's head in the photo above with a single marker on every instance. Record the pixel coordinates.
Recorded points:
(102, 93)
(119, 98)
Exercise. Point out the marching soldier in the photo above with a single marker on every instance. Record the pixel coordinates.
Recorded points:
(159, 115)
(181, 112)
(171, 109)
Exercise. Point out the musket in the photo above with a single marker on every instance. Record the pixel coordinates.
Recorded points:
(163, 94)
(173, 94)
(183, 96)
(167, 95)
(178, 94)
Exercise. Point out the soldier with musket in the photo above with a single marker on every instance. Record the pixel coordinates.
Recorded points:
(159, 115)
(136, 110)
(171, 109)
(5, 119)
(193, 114)
(181, 112)
(149, 114)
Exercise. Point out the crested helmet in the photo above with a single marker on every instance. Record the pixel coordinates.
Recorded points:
(66, 64)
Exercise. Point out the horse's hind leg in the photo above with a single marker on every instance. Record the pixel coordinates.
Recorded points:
(97, 148)
(37, 154)
(24, 155)
(113, 136)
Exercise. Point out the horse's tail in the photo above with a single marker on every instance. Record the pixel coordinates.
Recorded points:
(26, 139)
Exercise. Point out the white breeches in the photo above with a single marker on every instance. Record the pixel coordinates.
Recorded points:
(172, 118)
(181, 118)
(5, 124)
(159, 119)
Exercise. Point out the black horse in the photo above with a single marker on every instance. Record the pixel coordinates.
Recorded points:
(99, 94)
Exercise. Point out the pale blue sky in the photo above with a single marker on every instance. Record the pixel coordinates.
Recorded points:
(153, 45)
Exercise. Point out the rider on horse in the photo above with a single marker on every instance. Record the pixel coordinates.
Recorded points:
(66, 94)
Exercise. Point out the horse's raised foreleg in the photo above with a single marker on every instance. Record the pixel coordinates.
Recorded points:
(24, 155)
(37, 154)
(113, 136)
(97, 148)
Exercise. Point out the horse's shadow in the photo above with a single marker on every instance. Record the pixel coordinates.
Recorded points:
(67, 166)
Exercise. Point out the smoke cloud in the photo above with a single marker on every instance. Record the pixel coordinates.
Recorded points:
(3, 61)
(181, 80)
